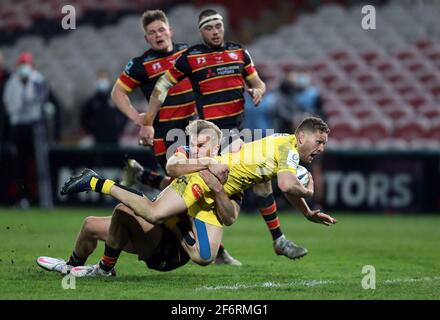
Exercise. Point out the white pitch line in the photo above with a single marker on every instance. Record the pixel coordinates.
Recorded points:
(237, 286)
(308, 283)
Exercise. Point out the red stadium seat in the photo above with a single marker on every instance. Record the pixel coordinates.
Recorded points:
(371, 56)
(406, 89)
(341, 55)
(386, 101)
(374, 129)
(395, 78)
(428, 77)
(430, 112)
(417, 101)
(363, 112)
(398, 112)
(434, 131)
(424, 44)
(411, 128)
(434, 55)
(406, 55)
(342, 128)
(435, 90)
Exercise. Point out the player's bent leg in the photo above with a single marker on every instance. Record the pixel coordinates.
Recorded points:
(206, 239)
(267, 206)
(263, 189)
(92, 230)
(169, 204)
(132, 233)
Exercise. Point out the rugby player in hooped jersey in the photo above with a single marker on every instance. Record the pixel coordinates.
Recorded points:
(144, 71)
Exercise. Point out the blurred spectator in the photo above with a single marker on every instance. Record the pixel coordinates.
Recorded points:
(299, 98)
(24, 95)
(4, 120)
(100, 117)
(261, 117)
(4, 129)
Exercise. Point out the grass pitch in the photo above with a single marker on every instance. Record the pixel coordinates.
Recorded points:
(404, 251)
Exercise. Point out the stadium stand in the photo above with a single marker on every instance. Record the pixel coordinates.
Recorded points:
(381, 88)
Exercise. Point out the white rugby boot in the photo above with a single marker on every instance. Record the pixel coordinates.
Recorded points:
(91, 271)
(54, 264)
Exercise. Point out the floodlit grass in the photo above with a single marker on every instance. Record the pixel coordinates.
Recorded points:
(403, 249)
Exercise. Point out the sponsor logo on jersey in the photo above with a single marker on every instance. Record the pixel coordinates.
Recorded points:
(233, 55)
(201, 60)
(292, 159)
(197, 191)
(157, 66)
(128, 66)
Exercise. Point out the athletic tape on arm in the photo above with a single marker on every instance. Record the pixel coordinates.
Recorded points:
(161, 88)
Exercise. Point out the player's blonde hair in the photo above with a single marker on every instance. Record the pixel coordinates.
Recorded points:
(150, 16)
(199, 126)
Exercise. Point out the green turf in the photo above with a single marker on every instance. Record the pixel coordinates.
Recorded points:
(403, 249)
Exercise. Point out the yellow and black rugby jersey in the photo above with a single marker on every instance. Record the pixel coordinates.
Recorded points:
(145, 70)
(218, 79)
(260, 161)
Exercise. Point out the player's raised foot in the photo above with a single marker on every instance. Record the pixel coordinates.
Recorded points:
(91, 271)
(54, 264)
(285, 247)
(224, 257)
(131, 169)
(79, 183)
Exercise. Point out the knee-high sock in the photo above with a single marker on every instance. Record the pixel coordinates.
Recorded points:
(268, 209)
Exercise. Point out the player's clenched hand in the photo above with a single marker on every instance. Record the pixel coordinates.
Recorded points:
(211, 180)
(146, 135)
(256, 94)
(220, 170)
(320, 217)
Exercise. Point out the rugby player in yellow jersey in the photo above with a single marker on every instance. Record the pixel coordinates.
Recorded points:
(277, 155)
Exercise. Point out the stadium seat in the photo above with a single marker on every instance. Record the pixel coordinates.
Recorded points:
(411, 128)
(343, 128)
(374, 129)
(434, 131)
(398, 112)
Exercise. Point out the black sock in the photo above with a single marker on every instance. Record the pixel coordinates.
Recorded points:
(76, 261)
(108, 260)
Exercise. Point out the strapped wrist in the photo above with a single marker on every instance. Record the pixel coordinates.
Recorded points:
(148, 119)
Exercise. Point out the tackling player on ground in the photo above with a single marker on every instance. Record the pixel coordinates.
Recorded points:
(156, 245)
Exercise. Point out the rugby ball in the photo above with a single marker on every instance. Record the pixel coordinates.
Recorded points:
(303, 175)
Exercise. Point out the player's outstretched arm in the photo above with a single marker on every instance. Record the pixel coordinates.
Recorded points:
(313, 215)
(227, 210)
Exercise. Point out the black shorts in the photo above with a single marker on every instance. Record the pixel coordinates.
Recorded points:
(169, 254)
